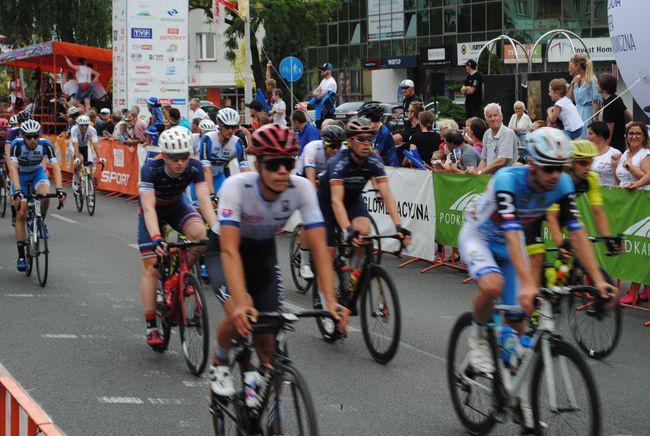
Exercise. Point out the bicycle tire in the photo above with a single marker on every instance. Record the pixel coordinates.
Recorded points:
(382, 313)
(302, 285)
(293, 418)
(326, 327)
(197, 321)
(3, 199)
(90, 195)
(41, 252)
(596, 348)
(162, 314)
(221, 424)
(376, 244)
(29, 258)
(78, 195)
(544, 421)
(454, 382)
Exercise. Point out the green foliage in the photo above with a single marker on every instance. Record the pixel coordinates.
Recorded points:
(495, 63)
(448, 109)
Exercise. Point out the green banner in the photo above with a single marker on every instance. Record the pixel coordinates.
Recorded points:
(628, 212)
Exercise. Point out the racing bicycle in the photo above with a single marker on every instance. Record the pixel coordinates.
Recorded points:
(85, 191)
(5, 192)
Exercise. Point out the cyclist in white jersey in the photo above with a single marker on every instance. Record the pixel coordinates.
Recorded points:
(83, 135)
(241, 256)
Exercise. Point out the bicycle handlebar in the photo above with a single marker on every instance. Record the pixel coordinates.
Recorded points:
(37, 196)
(564, 291)
(393, 236)
(275, 321)
(183, 245)
(618, 240)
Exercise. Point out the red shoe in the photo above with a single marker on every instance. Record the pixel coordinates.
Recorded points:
(154, 340)
(627, 299)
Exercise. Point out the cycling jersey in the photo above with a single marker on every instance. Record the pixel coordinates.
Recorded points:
(589, 186)
(217, 156)
(83, 140)
(343, 170)
(313, 156)
(241, 204)
(168, 189)
(12, 134)
(30, 160)
(384, 142)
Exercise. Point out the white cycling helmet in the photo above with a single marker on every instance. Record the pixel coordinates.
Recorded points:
(73, 110)
(228, 117)
(548, 146)
(13, 120)
(83, 120)
(30, 126)
(176, 140)
(207, 126)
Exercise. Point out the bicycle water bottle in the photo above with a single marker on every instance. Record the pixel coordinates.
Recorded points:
(354, 278)
(508, 342)
(252, 382)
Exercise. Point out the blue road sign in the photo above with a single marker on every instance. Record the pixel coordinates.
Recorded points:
(291, 69)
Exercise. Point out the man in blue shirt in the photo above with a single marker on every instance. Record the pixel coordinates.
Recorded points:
(383, 142)
(307, 132)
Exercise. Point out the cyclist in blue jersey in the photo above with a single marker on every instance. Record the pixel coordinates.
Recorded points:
(162, 184)
(241, 256)
(492, 242)
(217, 149)
(25, 165)
(307, 131)
(383, 143)
(12, 133)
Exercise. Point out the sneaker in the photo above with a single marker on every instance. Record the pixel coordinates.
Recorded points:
(480, 356)
(627, 299)
(221, 381)
(21, 265)
(203, 273)
(306, 272)
(153, 339)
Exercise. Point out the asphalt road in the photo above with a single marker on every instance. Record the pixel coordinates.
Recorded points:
(78, 347)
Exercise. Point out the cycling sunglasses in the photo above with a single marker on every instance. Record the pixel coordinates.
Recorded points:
(32, 136)
(363, 138)
(223, 126)
(329, 144)
(179, 157)
(274, 165)
(550, 169)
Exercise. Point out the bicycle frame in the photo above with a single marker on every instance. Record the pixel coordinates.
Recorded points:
(174, 303)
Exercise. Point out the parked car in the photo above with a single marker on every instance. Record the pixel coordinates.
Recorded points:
(345, 111)
(211, 110)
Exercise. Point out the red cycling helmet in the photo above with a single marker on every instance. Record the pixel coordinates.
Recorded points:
(274, 140)
(4, 123)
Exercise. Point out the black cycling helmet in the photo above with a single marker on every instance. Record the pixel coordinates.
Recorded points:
(359, 125)
(372, 110)
(333, 134)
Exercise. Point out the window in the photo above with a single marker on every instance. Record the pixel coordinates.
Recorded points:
(207, 46)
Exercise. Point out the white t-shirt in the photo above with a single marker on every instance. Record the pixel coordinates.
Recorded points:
(603, 166)
(84, 74)
(199, 113)
(624, 176)
(279, 118)
(569, 114)
(523, 123)
(70, 87)
(328, 84)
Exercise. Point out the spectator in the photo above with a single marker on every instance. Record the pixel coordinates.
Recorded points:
(92, 114)
(262, 119)
(29, 105)
(383, 143)
(16, 92)
(176, 119)
(412, 122)
(307, 132)
(270, 83)
(583, 90)
(563, 109)
(615, 114)
(196, 111)
(444, 125)
(135, 128)
(536, 125)
(475, 128)
(426, 141)
(634, 164)
(326, 85)
(119, 125)
(255, 107)
(84, 75)
(499, 142)
(157, 118)
(70, 86)
(520, 122)
(598, 133)
(408, 95)
(106, 126)
(278, 108)
(99, 92)
(473, 90)
(462, 157)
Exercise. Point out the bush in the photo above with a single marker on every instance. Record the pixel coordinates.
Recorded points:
(448, 109)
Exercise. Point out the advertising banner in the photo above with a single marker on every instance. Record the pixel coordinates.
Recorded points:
(469, 50)
(509, 54)
(119, 54)
(599, 49)
(122, 169)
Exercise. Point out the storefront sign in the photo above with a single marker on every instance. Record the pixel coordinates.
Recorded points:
(468, 50)
(434, 56)
(400, 62)
(599, 49)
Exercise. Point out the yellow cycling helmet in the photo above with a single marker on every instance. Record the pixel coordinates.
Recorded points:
(584, 149)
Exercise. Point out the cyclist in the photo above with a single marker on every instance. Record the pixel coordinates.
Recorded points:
(241, 257)
(204, 126)
(313, 162)
(12, 133)
(83, 135)
(492, 243)
(383, 143)
(162, 183)
(218, 148)
(339, 190)
(27, 154)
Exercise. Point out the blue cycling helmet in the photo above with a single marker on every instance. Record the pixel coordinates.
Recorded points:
(152, 101)
(548, 147)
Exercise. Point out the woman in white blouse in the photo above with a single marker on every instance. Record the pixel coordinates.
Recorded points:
(634, 164)
(520, 122)
(599, 133)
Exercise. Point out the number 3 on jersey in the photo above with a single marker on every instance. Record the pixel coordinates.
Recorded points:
(506, 203)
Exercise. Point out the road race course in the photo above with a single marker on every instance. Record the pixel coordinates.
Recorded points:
(78, 346)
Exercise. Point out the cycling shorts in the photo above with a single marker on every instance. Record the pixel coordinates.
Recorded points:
(34, 178)
(483, 257)
(176, 216)
(261, 271)
(355, 208)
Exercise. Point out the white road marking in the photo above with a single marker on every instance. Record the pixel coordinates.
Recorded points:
(195, 384)
(62, 218)
(59, 336)
(165, 401)
(134, 246)
(120, 400)
(19, 295)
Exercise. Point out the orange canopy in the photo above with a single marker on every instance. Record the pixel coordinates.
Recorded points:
(50, 56)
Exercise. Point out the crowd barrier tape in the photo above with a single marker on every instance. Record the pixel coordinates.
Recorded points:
(19, 413)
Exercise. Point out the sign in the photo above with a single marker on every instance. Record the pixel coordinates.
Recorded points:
(385, 19)
(599, 49)
(435, 56)
(469, 50)
(401, 62)
(372, 64)
(510, 58)
(291, 69)
(630, 39)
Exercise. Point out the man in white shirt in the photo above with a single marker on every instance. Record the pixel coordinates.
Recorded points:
(327, 84)
(279, 108)
(499, 142)
(196, 111)
(86, 76)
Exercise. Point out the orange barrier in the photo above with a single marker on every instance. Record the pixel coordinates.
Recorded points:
(19, 413)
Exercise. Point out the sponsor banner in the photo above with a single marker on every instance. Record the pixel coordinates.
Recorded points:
(599, 49)
(413, 192)
(122, 170)
(120, 54)
(509, 54)
(469, 50)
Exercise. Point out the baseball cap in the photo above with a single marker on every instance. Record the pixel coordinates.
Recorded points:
(105, 111)
(471, 63)
(255, 105)
(326, 66)
(408, 83)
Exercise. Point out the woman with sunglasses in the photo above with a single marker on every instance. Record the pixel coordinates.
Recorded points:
(633, 167)
(241, 256)
(162, 184)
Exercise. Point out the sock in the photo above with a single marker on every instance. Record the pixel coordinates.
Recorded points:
(304, 256)
(21, 249)
(477, 330)
(221, 355)
(150, 319)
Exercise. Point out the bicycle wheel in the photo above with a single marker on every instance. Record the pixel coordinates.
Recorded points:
(326, 326)
(29, 257)
(376, 244)
(3, 198)
(577, 409)
(162, 315)
(41, 252)
(302, 285)
(224, 416)
(90, 195)
(193, 325)
(78, 194)
(471, 391)
(288, 407)
(381, 321)
(596, 330)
